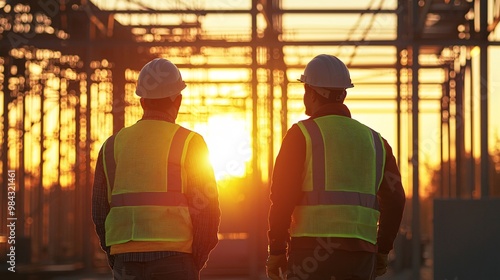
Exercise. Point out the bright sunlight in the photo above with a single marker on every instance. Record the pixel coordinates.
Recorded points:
(228, 141)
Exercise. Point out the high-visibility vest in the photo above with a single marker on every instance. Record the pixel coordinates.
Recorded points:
(344, 167)
(144, 168)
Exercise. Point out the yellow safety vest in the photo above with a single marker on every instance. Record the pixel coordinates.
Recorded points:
(344, 167)
(146, 184)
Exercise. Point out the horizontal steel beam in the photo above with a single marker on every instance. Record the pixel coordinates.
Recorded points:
(334, 11)
(173, 11)
(246, 11)
(43, 43)
(288, 66)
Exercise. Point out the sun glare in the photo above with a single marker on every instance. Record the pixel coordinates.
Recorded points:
(228, 141)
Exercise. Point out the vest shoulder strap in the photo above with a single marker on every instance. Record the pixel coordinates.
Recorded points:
(108, 157)
(176, 156)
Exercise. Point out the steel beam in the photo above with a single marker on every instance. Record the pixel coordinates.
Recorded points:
(485, 157)
(415, 226)
(243, 11)
(72, 44)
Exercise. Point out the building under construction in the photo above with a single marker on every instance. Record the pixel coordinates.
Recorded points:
(68, 75)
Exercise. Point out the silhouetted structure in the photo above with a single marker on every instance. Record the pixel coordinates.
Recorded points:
(68, 77)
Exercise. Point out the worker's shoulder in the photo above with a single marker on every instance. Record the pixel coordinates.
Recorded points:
(193, 135)
(187, 130)
(368, 127)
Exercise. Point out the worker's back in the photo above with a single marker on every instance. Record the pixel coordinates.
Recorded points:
(344, 165)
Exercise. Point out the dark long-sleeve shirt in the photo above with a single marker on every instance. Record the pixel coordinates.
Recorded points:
(201, 193)
(286, 193)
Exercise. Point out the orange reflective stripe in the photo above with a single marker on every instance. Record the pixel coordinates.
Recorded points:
(318, 154)
(148, 199)
(379, 158)
(108, 158)
(379, 162)
(339, 198)
(174, 173)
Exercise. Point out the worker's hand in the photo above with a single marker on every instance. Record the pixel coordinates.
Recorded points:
(276, 266)
(381, 266)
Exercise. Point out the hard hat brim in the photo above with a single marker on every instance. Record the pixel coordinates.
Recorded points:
(161, 92)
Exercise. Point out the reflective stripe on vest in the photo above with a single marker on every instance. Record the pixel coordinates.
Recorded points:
(327, 205)
(108, 159)
(148, 199)
(153, 207)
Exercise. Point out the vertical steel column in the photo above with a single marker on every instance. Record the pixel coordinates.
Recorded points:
(284, 105)
(272, 80)
(449, 182)
(253, 230)
(445, 130)
(472, 164)
(5, 140)
(398, 243)
(54, 203)
(40, 218)
(119, 95)
(273, 68)
(87, 187)
(459, 133)
(441, 146)
(415, 147)
(398, 104)
(485, 157)
(399, 48)
(415, 162)
(21, 176)
(78, 185)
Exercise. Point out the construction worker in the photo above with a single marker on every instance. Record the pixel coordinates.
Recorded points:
(334, 180)
(155, 203)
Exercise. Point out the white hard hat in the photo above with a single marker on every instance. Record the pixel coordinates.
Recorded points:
(326, 71)
(159, 78)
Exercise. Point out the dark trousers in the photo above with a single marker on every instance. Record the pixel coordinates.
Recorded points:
(325, 263)
(178, 267)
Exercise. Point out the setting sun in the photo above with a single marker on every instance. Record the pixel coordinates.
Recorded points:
(228, 140)
(424, 75)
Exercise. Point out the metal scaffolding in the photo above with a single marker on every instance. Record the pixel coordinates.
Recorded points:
(68, 82)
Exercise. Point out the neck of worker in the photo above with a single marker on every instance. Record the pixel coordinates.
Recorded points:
(168, 115)
(331, 108)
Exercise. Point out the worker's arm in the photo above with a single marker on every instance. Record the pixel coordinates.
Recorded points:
(391, 197)
(286, 189)
(203, 200)
(100, 206)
